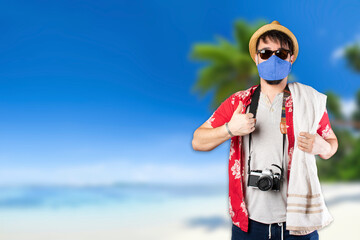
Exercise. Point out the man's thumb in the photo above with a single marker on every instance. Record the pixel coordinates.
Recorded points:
(239, 107)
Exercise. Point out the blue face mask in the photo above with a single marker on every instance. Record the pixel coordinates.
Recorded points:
(274, 68)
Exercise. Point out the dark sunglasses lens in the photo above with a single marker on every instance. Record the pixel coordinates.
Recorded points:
(265, 54)
(282, 54)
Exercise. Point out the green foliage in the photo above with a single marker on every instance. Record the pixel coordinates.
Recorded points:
(344, 165)
(229, 66)
(352, 55)
(356, 115)
(333, 105)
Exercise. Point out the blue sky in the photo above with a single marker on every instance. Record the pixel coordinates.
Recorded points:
(99, 91)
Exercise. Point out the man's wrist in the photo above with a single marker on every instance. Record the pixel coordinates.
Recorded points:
(228, 129)
(325, 146)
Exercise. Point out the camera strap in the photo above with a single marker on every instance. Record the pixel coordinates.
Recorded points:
(253, 109)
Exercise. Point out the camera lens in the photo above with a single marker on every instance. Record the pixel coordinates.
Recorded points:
(264, 183)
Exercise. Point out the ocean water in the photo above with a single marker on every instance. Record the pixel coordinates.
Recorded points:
(142, 211)
(20, 197)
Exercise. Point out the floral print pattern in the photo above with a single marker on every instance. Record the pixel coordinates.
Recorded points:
(232, 214)
(211, 118)
(326, 132)
(244, 210)
(243, 94)
(236, 169)
(232, 149)
(289, 103)
(291, 151)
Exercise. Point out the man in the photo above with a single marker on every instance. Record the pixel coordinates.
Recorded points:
(257, 213)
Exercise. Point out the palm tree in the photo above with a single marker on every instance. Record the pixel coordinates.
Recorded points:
(352, 57)
(230, 67)
(356, 115)
(345, 164)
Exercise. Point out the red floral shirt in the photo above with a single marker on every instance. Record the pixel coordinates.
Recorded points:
(223, 114)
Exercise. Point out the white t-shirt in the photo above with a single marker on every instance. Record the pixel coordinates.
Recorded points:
(267, 148)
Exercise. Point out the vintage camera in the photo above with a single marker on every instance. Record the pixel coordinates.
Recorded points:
(265, 180)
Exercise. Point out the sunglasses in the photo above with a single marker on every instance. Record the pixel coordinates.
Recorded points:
(281, 53)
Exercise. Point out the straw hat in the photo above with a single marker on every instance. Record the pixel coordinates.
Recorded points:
(275, 25)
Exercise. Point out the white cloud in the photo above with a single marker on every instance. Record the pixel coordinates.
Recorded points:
(338, 53)
(348, 106)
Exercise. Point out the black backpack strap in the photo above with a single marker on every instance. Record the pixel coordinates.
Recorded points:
(253, 109)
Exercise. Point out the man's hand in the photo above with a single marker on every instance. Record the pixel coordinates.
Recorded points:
(313, 143)
(241, 124)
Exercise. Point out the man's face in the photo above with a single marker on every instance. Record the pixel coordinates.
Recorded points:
(271, 45)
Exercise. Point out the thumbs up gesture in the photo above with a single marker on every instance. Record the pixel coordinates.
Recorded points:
(241, 124)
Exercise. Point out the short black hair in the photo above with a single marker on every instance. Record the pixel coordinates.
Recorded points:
(277, 36)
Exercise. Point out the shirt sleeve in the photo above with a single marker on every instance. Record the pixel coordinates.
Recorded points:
(324, 128)
(222, 114)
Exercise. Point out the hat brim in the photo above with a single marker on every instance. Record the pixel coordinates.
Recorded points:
(268, 27)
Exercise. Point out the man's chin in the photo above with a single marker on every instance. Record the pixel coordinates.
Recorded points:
(275, 82)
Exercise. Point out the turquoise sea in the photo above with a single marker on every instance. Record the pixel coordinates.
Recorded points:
(141, 210)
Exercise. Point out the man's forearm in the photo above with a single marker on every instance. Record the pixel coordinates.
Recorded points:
(206, 139)
(334, 146)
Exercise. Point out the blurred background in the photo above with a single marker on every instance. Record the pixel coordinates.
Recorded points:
(99, 101)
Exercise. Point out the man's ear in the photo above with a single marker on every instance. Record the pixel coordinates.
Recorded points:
(292, 59)
(256, 60)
